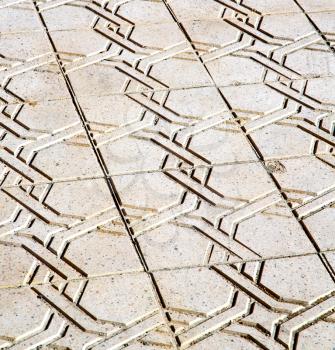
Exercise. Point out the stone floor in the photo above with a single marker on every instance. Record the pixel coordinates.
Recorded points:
(167, 174)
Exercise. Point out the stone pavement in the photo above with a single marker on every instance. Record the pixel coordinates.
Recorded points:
(167, 174)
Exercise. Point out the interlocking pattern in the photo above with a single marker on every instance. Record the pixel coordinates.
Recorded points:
(167, 174)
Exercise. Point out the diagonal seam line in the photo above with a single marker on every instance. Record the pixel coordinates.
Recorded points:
(146, 90)
(109, 183)
(176, 268)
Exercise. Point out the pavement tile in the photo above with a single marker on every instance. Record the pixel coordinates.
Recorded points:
(77, 315)
(74, 230)
(202, 10)
(322, 5)
(167, 174)
(18, 16)
(82, 14)
(196, 309)
(228, 216)
(200, 133)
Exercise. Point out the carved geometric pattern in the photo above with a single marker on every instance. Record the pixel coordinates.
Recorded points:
(167, 174)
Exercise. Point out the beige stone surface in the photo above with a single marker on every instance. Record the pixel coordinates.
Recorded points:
(167, 174)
